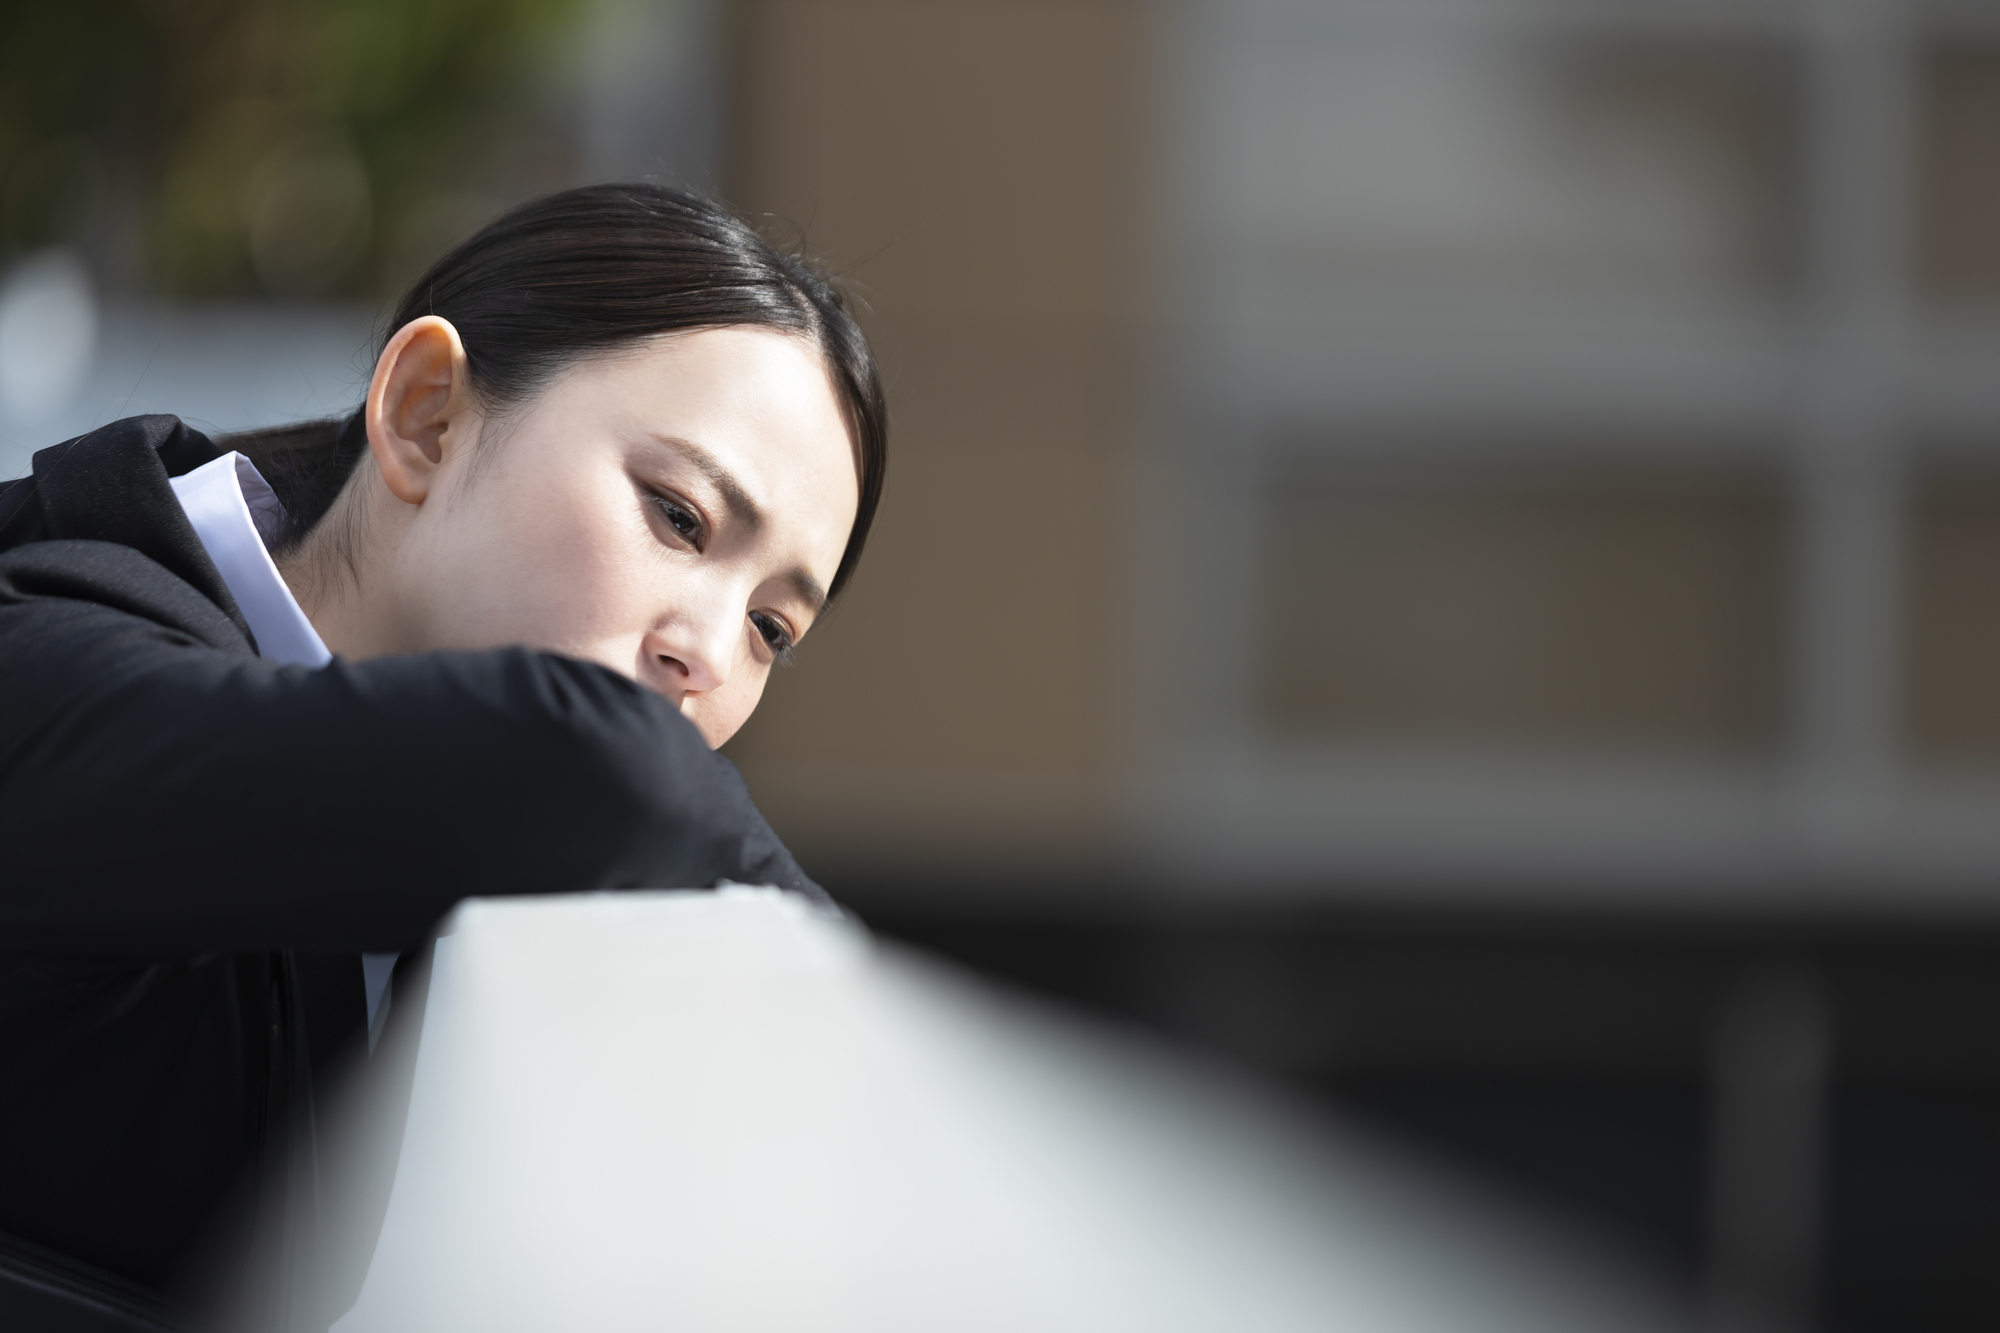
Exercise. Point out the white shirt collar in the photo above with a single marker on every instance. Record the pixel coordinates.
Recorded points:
(236, 513)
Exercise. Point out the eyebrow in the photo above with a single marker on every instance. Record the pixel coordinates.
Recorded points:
(737, 500)
(742, 508)
(807, 587)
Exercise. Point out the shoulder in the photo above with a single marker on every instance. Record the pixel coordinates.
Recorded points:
(47, 587)
(111, 489)
(82, 623)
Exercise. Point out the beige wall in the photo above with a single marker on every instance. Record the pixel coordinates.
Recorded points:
(970, 166)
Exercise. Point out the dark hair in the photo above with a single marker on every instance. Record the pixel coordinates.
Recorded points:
(584, 271)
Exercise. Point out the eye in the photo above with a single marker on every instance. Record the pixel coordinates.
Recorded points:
(684, 521)
(775, 636)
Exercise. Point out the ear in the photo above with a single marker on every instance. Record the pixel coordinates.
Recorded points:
(419, 407)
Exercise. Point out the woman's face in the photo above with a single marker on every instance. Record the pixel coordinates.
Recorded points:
(674, 511)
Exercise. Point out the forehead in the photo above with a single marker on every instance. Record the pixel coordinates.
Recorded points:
(758, 402)
(741, 378)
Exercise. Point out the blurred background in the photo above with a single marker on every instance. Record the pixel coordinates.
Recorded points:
(1448, 550)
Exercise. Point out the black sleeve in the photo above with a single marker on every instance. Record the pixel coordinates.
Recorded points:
(159, 792)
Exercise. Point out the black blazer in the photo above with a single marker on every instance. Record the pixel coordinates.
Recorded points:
(195, 843)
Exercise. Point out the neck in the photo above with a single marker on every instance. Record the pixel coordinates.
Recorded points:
(328, 577)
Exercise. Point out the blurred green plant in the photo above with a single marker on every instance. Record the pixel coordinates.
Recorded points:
(228, 148)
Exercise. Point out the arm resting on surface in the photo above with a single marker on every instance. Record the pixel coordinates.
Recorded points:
(160, 792)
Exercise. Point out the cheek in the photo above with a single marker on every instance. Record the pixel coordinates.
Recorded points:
(720, 714)
(561, 573)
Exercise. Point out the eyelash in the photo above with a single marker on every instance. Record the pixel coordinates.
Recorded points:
(673, 511)
(775, 638)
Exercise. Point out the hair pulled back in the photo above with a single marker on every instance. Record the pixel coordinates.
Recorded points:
(586, 271)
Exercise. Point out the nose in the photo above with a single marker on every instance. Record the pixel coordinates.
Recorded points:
(689, 656)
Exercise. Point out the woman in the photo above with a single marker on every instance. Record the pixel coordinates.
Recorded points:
(270, 702)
